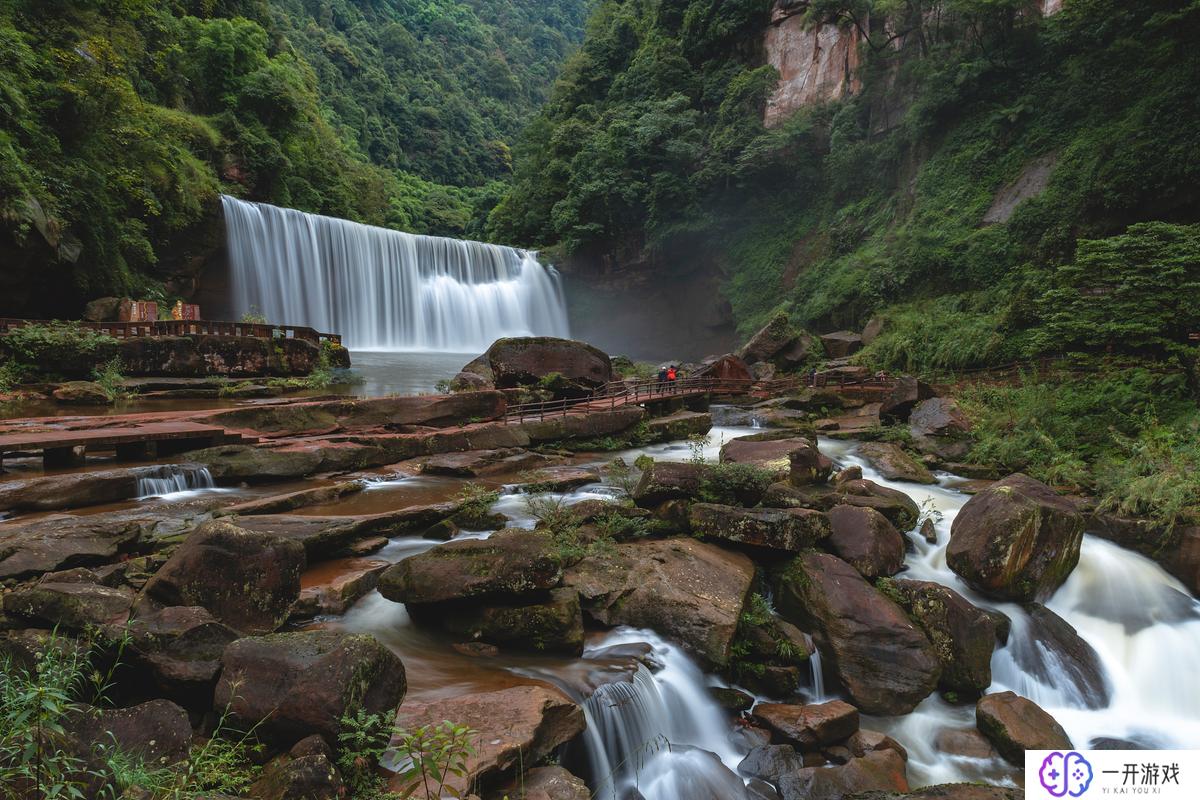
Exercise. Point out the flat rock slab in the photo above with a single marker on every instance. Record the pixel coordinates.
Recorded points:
(332, 587)
(809, 727)
(480, 463)
(894, 464)
(558, 479)
(515, 726)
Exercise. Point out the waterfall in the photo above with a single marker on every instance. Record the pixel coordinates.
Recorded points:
(173, 478)
(660, 733)
(386, 290)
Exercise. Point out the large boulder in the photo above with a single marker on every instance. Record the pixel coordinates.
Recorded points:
(686, 590)
(808, 465)
(841, 344)
(509, 563)
(524, 361)
(1016, 540)
(158, 731)
(768, 452)
(292, 685)
(306, 777)
(244, 462)
(179, 648)
(963, 635)
(890, 460)
(245, 579)
(785, 529)
(669, 480)
(885, 662)
(808, 727)
(729, 368)
(865, 539)
(515, 727)
(938, 426)
(900, 509)
(899, 403)
(1014, 724)
(877, 771)
(71, 489)
(552, 625)
(544, 783)
(769, 340)
(678, 426)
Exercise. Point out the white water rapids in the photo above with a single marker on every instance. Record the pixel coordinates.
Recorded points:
(383, 289)
(662, 734)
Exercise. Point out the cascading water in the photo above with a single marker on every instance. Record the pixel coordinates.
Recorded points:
(383, 289)
(660, 733)
(1140, 625)
(173, 478)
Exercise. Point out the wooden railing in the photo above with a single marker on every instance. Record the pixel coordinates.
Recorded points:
(187, 327)
(617, 394)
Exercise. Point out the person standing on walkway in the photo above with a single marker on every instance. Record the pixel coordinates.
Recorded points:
(662, 374)
(671, 377)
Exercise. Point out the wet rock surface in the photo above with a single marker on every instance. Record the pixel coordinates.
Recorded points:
(292, 685)
(245, 579)
(787, 530)
(866, 540)
(1014, 724)
(885, 662)
(687, 590)
(963, 636)
(1016, 540)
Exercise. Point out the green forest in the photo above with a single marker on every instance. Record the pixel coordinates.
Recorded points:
(121, 121)
(652, 149)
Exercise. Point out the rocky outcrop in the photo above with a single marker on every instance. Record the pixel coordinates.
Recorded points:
(808, 727)
(686, 590)
(1014, 725)
(866, 540)
(1052, 650)
(510, 563)
(808, 465)
(768, 452)
(669, 480)
(524, 361)
(779, 344)
(876, 771)
(885, 662)
(554, 625)
(899, 508)
(480, 463)
(245, 579)
(909, 391)
(292, 685)
(963, 636)
(784, 529)
(726, 368)
(76, 489)
(816, 64)
(82, 393)
(63, 541)
(516, 727)
(1015, 540)
(73, 601)
(179, 649)
(544, 783)
(939, 427)
(894, 464)
(307, 777)
(677, 426)
(841, 344)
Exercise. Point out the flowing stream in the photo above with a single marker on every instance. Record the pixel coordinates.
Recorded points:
(173, 479)
(384, 289)
(660, 732)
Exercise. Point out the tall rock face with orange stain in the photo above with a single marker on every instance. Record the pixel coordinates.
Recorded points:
(816, 63)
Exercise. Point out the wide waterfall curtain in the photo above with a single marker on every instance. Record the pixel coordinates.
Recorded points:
(383, 289)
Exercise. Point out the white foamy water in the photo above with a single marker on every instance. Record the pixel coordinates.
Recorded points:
(1143, 625)
(384, 289)
(174, 480)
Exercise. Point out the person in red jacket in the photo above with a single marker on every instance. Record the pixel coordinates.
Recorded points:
(672, 374)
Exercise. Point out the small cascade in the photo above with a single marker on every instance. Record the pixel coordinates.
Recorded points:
(816, 677)
(174, 478)
(660, 733)
(384, 289)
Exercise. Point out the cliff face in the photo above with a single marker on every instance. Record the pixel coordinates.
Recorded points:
(819, 63)
(816, 64)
